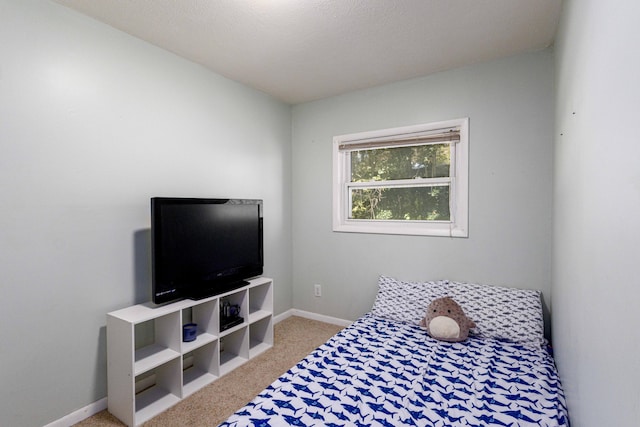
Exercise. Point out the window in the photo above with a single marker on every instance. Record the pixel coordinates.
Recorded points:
(408, 180)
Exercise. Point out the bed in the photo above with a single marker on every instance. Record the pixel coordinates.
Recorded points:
(384, 370)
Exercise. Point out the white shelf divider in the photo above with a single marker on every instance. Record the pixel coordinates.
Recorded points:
(151, 356)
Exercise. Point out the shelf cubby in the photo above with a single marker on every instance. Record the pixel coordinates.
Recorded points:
(260, 336)
(161, 345)
(200, 368)
(164, 390)
(234, 349)
(205, 315)
(260, 302)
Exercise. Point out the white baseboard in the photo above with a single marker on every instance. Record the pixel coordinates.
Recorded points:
(95, 407)
(312, 316)
(81, 414)
(282, 316)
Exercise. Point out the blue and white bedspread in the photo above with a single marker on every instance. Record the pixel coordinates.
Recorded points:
(382, 373)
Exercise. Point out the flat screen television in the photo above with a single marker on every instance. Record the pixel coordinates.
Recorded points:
(203, 247)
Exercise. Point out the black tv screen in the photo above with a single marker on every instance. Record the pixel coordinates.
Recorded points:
(203, 247)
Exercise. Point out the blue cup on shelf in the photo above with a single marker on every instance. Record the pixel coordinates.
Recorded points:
(189, 332)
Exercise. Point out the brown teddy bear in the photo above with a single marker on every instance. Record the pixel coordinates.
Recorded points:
(446, 321)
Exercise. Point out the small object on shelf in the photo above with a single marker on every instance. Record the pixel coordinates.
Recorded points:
(189, 332)
(230, 322)
(229, 315)
(228, 310)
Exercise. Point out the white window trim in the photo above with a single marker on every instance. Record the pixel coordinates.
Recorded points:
(459, 190)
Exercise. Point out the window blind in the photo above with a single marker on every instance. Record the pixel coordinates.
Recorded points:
(422, 138)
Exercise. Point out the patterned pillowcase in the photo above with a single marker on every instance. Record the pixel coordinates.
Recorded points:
(405, 301)
(500, 312)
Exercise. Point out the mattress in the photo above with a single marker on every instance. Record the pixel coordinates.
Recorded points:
(384, 372)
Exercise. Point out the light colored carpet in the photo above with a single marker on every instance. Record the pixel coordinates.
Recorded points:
(294, 338)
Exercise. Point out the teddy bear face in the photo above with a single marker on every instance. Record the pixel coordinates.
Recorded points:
(445, 320)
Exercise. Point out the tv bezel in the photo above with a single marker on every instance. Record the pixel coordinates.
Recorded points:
(215, 286)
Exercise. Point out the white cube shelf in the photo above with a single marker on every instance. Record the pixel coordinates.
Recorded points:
(150, 368)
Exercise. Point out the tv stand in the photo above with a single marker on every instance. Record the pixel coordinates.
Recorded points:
(149, 366)
(219, 289)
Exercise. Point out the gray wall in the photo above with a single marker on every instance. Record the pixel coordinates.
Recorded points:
(92, 124)
(596, 289)
(510, 106)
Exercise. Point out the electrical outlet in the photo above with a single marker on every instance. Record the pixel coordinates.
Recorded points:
(317, 290)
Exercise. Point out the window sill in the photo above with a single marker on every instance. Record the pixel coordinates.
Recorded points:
(410, 228)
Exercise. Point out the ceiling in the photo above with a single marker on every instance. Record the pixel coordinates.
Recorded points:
(304, 50)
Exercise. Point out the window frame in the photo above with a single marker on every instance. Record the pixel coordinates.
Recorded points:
(456, 226)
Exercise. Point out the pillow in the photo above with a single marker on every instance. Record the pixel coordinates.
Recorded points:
(499, 312)
(405, 301)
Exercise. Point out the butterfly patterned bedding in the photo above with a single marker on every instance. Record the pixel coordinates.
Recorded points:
(381, 372)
